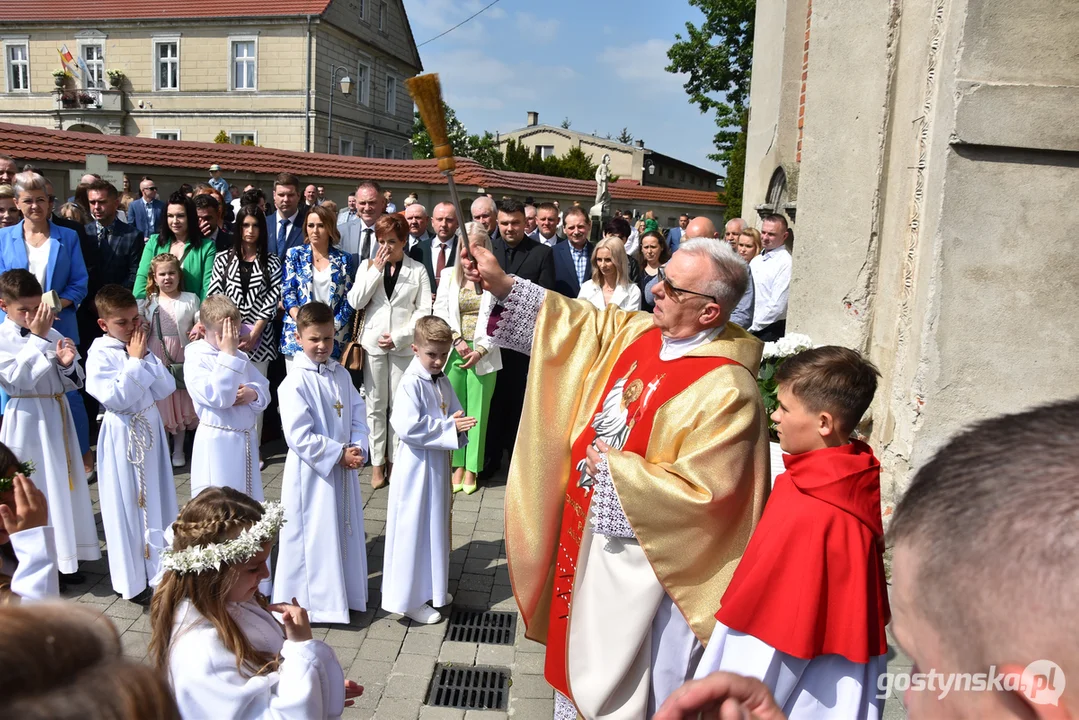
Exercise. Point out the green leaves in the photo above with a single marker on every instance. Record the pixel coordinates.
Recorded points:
(766, 383)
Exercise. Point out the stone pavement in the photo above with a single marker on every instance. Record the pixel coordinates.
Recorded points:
(392, 657)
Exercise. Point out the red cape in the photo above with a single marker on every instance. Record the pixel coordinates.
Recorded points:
(811, 581)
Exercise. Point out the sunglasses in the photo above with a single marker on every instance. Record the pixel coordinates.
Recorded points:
(677, 292)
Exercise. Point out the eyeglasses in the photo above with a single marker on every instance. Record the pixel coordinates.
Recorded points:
(676, 292)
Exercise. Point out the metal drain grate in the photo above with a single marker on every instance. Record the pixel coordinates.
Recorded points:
(478, 626)
(469, 688)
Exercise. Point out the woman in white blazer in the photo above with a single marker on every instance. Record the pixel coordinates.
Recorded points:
(394, 292)
(610, 283)
(474, 360)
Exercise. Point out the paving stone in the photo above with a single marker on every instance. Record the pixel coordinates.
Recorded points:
(388, 629)
(499, 655)
(530, 686)
(421, 644)
(529, 663)
(479, 566)
(485, 715)
(458, 653)
(473, 599)
(470, 581)
(407, 686)
(530, 708)
(398, 709)
(380, 650)
(345, 638)
(411, 664)
(485, 550)
(437, 713)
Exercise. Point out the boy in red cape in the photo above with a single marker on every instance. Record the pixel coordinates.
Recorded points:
(806, 609)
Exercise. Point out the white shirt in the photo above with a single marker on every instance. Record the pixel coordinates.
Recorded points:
(674, 348)
(771, 284)
(549, 242)
(435, 250)
(38, 260)
(321, 284)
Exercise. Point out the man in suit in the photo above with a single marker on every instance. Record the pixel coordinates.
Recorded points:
(358, 235)
(119, 245)
(145, 212)
(524, 257)
(438, 252)
(547, 220)
(485, 212)
(418, 231)
(285, 227)
(674, 235)
(573, 256)
(531, 230)
(210, 222)
(346, 214)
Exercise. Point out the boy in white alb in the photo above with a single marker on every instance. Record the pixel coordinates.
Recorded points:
(429, 423)
(228, 394)
(37, 368)
(138, 496)
(322, 557)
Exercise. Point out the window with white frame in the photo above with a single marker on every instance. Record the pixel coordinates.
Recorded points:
(344, 147)
(391, 95)
(388, 153)
(167, 134)
(370, 152)
(545, 151)
(382, 17)
(18, 67)
(93, 54)
(362, 10)
(239, 138)
(167, 64)
(244, 64)
(363, 83)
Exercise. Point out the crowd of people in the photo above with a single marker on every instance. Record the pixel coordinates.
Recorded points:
(645, 542)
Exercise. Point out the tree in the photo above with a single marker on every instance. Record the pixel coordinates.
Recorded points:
(486, 152)
(222, 138)
(625, 137)
(576, 164)
(718, 57)
(736, 171)
(424, 149)
(566, 122)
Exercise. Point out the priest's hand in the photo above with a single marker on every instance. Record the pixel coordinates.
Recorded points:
(470, 357)
(297, 625)
(721, 696)
(65, 352)
(352, 690)
(593, 455)
(483, 268)
(30, 509)
(464, 424)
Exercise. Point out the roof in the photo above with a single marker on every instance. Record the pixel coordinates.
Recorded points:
(53, 10)
(28, 143)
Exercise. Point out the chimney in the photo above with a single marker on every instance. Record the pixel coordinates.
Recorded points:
(533, 118)
(640, 144)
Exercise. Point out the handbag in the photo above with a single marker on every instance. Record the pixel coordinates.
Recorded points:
(175, 369)
(352, 353)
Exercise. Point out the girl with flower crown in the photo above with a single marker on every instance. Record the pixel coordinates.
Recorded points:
(27, 546)
(225, 654)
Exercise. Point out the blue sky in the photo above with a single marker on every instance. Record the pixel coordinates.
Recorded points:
(599, 62)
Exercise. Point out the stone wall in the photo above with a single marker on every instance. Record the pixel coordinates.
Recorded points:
(934, 216)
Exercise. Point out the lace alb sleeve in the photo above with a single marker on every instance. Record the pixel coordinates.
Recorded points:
(608, 517)
(512, 321)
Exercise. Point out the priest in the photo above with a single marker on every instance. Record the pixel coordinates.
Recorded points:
(641, 472)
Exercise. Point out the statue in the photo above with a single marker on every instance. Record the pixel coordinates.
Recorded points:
(603, 195)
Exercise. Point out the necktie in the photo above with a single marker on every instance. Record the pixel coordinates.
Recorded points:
(436, 376)
(365, 251)
(102, 235)
(440, 265)
(282, 234)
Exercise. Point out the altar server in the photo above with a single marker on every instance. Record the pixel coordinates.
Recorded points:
(27, 543)
(429, 422)
(138, 496)
(322, 561)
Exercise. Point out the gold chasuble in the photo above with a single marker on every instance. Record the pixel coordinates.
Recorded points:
(692, 499)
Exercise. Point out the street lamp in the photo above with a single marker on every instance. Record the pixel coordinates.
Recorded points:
(346, 87)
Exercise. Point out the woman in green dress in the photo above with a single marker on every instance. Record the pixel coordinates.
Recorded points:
(179, 235)
(473, 362)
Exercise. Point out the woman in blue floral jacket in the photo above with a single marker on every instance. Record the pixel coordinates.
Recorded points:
(317, 270)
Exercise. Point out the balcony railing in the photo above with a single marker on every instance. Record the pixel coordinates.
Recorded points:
(90, 99)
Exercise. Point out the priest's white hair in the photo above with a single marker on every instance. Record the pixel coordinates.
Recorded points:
(730, 274)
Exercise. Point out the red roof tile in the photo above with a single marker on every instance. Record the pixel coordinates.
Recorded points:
(28, 143)
(37, 11)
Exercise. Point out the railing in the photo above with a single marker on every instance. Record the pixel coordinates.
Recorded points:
(89, 99)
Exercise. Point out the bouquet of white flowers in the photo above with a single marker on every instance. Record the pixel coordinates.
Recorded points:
(774, 355)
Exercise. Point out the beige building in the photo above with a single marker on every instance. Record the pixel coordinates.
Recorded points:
(191, 71)
(924, 148)
(630, 162)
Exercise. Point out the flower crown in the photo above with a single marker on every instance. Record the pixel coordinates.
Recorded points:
(27, 468)
(198, 558)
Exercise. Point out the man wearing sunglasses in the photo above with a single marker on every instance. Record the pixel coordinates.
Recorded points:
(639, 474)
(145, 212)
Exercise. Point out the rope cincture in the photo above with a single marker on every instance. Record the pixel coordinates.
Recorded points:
(140, 439)
(247, 448)
(58, 397)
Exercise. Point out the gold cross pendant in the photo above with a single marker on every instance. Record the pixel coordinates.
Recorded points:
(338, 407)
(442, 407)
